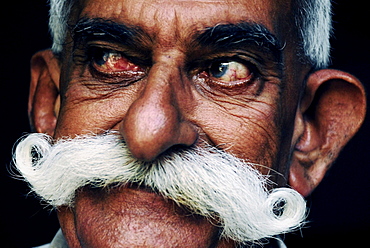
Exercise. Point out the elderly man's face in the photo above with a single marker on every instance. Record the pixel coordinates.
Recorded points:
(176, 76)
(171, 74)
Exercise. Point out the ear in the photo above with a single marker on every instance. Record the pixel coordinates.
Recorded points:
(43, 102)
(331, 111)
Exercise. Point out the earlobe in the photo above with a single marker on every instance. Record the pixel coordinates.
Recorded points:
(331, 111)
(43, 107)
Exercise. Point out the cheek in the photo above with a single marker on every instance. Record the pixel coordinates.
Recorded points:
(248, 131)
(85, 110)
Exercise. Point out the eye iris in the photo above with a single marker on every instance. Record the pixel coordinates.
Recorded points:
(101, 58)
(219, 69)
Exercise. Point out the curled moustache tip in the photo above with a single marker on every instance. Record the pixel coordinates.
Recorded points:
(33, 146)
(288, 207)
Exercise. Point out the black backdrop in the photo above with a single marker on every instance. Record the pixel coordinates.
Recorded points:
(339, 207)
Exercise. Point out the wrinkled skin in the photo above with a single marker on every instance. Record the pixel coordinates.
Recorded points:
(269, 117)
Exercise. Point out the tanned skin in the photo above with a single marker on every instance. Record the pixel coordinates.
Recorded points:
(275, 110)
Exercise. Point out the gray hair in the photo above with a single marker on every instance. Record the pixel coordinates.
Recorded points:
(229, 192)
(313, 19)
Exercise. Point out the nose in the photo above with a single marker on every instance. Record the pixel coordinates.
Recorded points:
(154, 122)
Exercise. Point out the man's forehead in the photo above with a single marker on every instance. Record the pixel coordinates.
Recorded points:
(178, 16)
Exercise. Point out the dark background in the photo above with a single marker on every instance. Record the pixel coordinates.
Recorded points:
(339, 208)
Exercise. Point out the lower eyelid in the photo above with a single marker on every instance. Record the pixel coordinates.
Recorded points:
(233, 84)
(124, 78)
(247, 90)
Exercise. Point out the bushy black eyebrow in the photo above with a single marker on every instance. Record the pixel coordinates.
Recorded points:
(225, 37)
(106, 30)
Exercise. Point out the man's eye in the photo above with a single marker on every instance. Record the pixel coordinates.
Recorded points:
(229, 72)
(112, 62)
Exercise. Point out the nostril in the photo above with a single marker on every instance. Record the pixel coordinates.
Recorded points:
(175, 149)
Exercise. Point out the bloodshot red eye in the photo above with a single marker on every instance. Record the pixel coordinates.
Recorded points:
(111, 62)
(229, 71)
